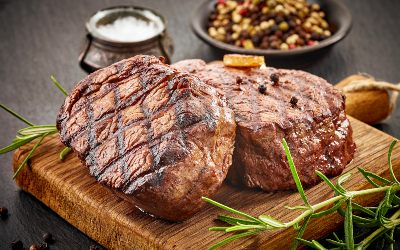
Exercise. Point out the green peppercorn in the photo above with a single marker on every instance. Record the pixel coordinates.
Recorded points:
(284, 26)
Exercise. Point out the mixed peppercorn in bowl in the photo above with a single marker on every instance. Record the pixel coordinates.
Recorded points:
(271, 27)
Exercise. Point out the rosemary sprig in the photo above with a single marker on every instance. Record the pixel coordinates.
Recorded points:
(31, 133)
(342, 202)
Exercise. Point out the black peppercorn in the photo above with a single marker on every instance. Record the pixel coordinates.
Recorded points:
(17, 245)
(239, 80)
(262, 89)
(274, 78)
(43, 246)
(94, 247)
(256, 40)
(48, 238)
(315, 36)
(3, 212)
(293, 101)
(274, 28)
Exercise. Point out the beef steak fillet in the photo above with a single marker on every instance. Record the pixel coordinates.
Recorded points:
(151, 131)
(302, 108)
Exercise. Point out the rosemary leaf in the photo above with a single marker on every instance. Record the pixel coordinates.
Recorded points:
(54, 80)
(336, 237)
(343, 178)
(15, 114)
(64, 153)
(368, 175)
(389, 236)
(28, 156)
(18, 143)
(232, 238)
(317, 245)
(390, 161)
(218, 228)
(38, 129)
(271, 221)
(336, 243)
(297, 207)
(217, 204)
(294, 173)
(330, 184)
(314, 244)
(243, 228)
(363, 209)
(235, 221)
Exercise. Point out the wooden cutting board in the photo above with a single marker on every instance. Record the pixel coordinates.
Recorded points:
(110, 217)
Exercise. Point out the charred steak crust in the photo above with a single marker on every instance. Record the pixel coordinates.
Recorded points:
(300, 107)
(151, 131)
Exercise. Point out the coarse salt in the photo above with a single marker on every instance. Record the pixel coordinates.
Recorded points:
(132, 29)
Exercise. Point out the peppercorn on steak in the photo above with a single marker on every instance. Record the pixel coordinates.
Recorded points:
(151, 131)
(271, 104)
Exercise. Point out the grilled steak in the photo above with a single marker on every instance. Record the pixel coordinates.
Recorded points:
(151, 131)
(271, 104)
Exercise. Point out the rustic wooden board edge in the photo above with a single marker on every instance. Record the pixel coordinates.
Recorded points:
(113, 235)
(110, 230)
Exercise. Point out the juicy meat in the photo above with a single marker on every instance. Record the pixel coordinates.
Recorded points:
(151, 131)
(302, 108)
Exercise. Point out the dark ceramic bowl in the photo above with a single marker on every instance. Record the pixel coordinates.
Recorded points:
(337, 15)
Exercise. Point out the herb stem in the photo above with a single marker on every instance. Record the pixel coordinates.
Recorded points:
(321, 205)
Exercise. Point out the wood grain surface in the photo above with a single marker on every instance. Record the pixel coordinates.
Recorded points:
(111, 218)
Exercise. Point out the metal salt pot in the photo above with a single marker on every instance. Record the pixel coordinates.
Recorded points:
(101, 51)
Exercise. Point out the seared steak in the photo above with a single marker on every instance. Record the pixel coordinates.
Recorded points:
(149, 130)
(271, 104)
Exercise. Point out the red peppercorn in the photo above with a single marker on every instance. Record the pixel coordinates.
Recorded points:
(221, 2)
(310, 42)
(243, 12)
(292, 46)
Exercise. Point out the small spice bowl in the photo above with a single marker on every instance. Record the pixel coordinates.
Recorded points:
(337, 15)
(121, 32)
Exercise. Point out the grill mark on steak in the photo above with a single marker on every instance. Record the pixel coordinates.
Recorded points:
(137, 147)
(134, 124)
(120, 135)
(312, 127)
(133, 100)
(91, 139)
